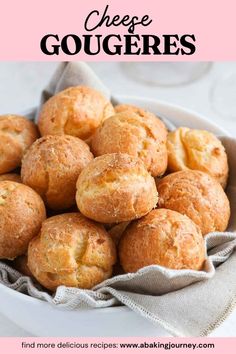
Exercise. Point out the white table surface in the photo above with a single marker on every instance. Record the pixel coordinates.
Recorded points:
(20, 85)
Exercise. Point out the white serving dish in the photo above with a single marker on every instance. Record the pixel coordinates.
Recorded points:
(42, 319)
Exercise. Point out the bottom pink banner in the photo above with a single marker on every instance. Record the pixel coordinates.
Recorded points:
(116, 345)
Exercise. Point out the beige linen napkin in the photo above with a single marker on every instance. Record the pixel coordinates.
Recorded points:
(184, 302)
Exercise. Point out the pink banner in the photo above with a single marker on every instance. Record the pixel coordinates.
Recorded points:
(127, 30)
(115, 345)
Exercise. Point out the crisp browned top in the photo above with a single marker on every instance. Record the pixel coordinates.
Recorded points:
(197, 150)
(139, 136)
(71, 250)
(115, 188)
(163, 237)
(52, 165)
(21, 214)
(74, 111)
(197, 195)
(16, 134)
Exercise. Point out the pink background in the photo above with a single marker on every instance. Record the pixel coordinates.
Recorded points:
(23, 24)
(13, 345)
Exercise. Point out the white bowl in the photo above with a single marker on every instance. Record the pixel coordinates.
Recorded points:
(42, 319)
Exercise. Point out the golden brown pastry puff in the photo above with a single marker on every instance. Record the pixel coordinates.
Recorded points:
(197, 195)
(115, 188)
(139, 136)
(144, 114)
(72, 251)
(162, 237)
(10, 177)
(197, 150)
(76, 111)
(22, 212)
(51, 167)
(16, 135)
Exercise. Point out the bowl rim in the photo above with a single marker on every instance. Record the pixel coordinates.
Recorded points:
(163, 104)
(29, 299)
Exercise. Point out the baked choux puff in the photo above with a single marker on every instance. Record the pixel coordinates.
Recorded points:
(73, 251)
(142, 136)
(197, 195)
(76, 111)
(14, 177)
(114, 188)
(22, 212)
(197, 150)
(52, 165)
(142, 113)
(162, 237)
(16, 134)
